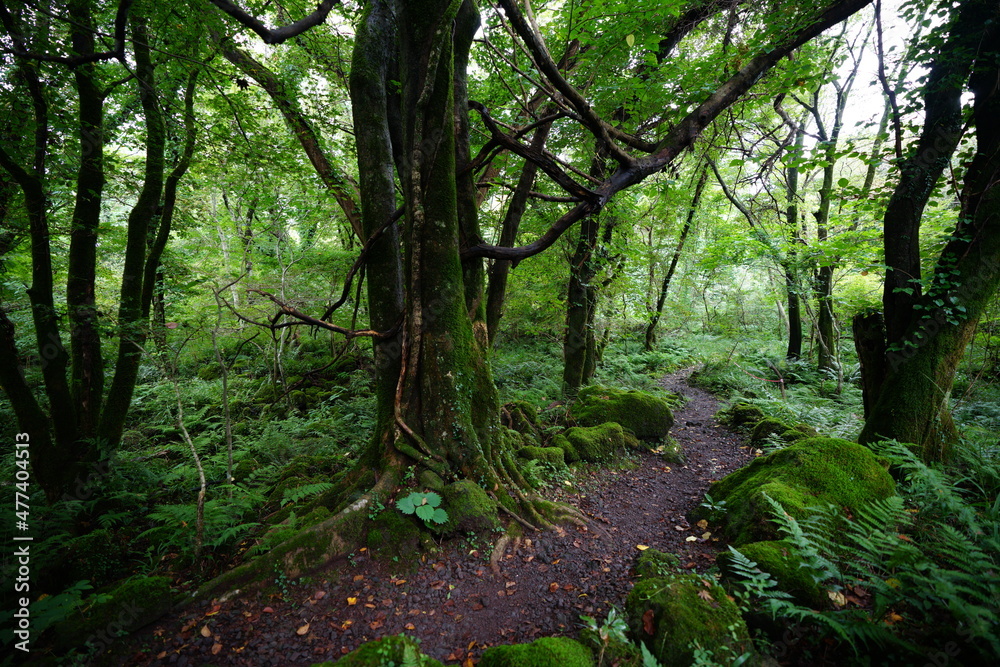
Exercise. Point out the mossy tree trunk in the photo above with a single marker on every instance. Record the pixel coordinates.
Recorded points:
(927, 332)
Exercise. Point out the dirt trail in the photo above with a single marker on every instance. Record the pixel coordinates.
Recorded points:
(453, 602)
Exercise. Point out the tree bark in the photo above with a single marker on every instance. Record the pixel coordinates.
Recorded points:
(912, 404)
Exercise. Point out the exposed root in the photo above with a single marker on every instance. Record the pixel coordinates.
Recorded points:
(498, 552)
(515, 517)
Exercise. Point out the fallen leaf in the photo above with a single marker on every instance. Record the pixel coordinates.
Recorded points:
(510, 584)
(648, 626)
(437, 585)
(399, 582)
(410, 626)
(837, 597)
(705, 595)
(216, 647)
(319, 595)
(680, 528)
(205, 632)
(304, 629)
(468, 663)
(375, 625)
(690, 538)
(369, 605)
(359, 577)
(267, 610)
(702, 524)
(350, 602)
(161, 655)
(705, 536)
(641, 547)
(553, 587)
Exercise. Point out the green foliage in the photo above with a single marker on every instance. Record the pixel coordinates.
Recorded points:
(305, 491)
(425, 505)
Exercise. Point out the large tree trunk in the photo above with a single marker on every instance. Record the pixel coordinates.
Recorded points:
(913, 401)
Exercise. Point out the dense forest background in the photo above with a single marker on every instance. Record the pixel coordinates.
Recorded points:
(250, 280)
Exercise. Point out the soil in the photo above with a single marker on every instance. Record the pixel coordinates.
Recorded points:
(453, 600)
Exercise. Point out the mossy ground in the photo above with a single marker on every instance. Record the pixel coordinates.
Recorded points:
(778, 560)
(810, 472)
(398, 650)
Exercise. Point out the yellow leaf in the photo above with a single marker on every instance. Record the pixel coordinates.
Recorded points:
(216, 647)
(837, 598)
(641, 547)
(706, 536)
(351, 602)
(705, 595)
(702, 524)
(205, 632)
(630, 40)
(304, 629)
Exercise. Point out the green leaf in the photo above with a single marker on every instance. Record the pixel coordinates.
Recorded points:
(440, 516)
(630, 40)
(843, 182)
(425, 512)
(405, 505)
(432, 499)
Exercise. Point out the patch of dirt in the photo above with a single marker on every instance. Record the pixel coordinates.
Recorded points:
(453, 601)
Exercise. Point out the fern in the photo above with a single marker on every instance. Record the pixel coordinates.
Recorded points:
(304, 491)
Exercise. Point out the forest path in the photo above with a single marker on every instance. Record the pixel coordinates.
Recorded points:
(452, 600)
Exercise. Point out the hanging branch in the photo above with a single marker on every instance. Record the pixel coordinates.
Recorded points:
(277, 35)
(890, 93)
(286, 309)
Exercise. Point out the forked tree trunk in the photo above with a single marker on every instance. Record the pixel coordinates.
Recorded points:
(913, 401)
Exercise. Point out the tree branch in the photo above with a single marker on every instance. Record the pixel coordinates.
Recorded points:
(277, 35)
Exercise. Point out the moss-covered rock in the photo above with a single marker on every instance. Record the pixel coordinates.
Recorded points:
(740, 416)
(593, 443)
(673, 615)
(554, 456)
(544, 652)
(767, 427)
(398, 650)
(652, 563)
(777, 559)
(469, 508)
(799, 432)
(126, 608)
(393, 534)
(810, 472)
(642, 414)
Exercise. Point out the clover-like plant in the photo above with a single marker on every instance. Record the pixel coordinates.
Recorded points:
(425, 505)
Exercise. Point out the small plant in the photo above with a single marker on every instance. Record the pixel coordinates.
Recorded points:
(612, 630)
(713, 506)
(375, 508)
(425, 505)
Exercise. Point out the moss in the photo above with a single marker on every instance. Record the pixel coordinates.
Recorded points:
(644, 415)
(393, 534)
(469, 508)
(399, 650)
(130, 606)
(544, 652)
(594, 443)
(616, 650)
(431, 480)
(570, 455)
(682, 611)
(799, 432)
(551, 455)
(778, 560)
(765, 428)
(652, 563)
(522, 417)
(810, 472)
(740, 416)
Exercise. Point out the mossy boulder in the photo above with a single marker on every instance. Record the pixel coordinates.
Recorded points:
(799, 432)
(124, 609)
(811, 472)
(767, 427)
(544, 652)
(554, 456)
(740, 416)
(398, 650)
(593, 443)
(779, 560)
(643, 415)
(672, 615)
(469, 508)
(652, 563)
